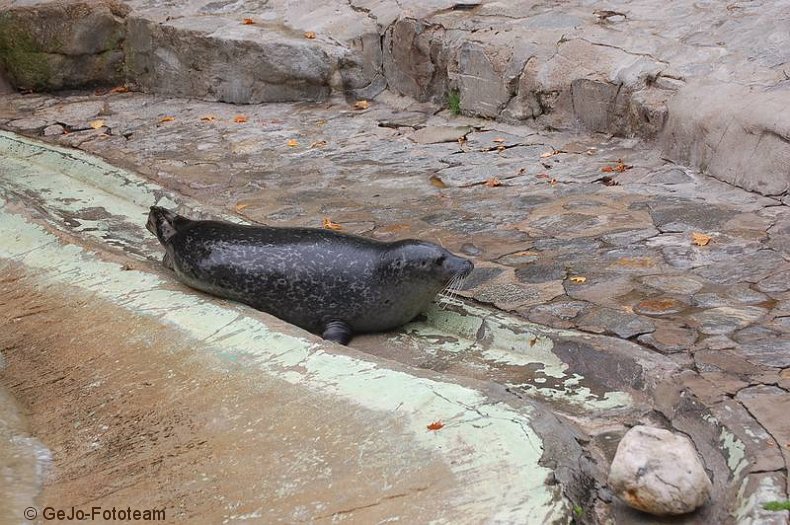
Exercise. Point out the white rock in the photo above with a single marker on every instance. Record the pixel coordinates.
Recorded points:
(659, 472)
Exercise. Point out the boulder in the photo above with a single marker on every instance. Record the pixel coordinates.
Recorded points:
(659, 472)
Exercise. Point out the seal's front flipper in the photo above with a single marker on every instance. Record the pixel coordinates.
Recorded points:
(337, 331)
(167, 261)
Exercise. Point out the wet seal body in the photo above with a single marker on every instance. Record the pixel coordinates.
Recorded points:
(329, 283)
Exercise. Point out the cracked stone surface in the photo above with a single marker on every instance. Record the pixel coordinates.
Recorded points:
(720, 310)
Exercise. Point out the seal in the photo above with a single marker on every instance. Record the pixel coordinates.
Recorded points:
(329, 283)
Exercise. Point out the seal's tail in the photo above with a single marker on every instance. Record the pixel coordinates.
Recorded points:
(164, 223)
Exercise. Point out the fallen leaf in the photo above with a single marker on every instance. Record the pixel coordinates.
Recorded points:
(96, 124)
(329, 225)
(501, 148)
(293, 143)
(320, 122)
(553, 182)
(208, 118)
(240, 119)
(542, 176)
(318, 144)
(248, 21)
(462, 140)
(240, 206)
(437, 181)
(493, 182)
(436, 425)
(578, 279)
(620, 167)
(361, 104)
(167, 118)
(700, 239)
(310, 35)
(547, 154)
(498, 139)
(119, 89)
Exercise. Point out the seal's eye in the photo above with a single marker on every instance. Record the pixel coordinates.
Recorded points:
(440, 259)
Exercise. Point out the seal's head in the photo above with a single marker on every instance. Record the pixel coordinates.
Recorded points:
(164, 223)
(426, 262)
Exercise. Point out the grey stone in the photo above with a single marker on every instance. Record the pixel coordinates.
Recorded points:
(607, 320)
(747, 267)
(674, 284)
(480, 275)
(669, 338)
(700, 216)
(699, 133)
(186, 58)
(629, 237)
(717, 342)
(773, 352)
(541, 272)
(57, 45)
(509, 296)
(414, 61)
(53, 130)
(778, 282)
(659, 472)
(726, 320)
(518, 258)
(437, 134)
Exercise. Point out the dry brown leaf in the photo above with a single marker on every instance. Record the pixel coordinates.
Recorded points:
(361, 104)
(248, 21)
(578, 279)
(292, 143)
(500, 148)
(310, 35)
(167, 118)
(208, 118)
(436, 425)
(240, 206)
(321, 122)
(96, 124)
(240, 119)
(329, 225)
(493, 182)
(542, 176)
(119, 89)
(499, 139)
(700, 239)
(318, 144)
(619, 167)
(437, 181)
(553, 182)
(547, 154)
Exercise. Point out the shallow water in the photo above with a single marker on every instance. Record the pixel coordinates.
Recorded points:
(24, 462)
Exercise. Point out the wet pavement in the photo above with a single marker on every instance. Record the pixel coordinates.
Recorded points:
(578, 232)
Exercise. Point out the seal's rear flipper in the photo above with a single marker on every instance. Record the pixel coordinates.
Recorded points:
(164, 223)
(337, 331)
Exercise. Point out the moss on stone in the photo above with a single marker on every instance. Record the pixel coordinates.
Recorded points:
(25, 63)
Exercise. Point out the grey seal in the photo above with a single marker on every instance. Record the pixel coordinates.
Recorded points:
(329, 283)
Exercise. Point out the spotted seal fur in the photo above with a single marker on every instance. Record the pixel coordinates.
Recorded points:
(330, 283)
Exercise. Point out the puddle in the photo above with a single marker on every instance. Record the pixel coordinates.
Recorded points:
(24, 462)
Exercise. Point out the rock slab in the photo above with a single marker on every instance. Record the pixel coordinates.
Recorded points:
(657, 471)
